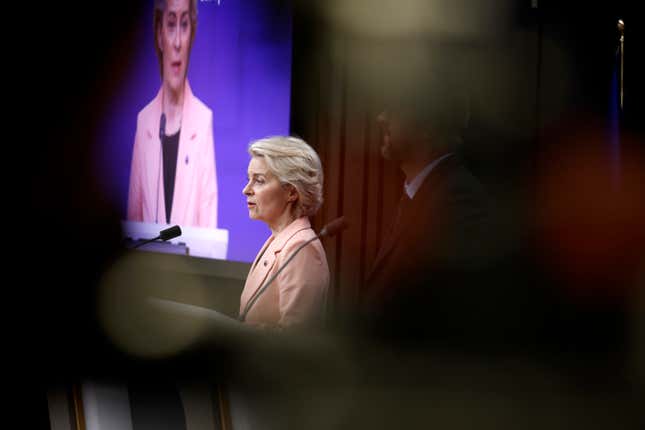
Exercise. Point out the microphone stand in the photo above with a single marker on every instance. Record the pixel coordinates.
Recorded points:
(621, 29)
(162, 133)
(145, 242)
(164, 235)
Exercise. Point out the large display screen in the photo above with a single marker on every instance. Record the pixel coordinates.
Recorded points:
(239, 74)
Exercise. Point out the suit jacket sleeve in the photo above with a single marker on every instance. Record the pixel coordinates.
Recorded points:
(303, 285)
(135, 204)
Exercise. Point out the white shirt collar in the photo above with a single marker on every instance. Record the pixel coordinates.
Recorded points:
(412, 187)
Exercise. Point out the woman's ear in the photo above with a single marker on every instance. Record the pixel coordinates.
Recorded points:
(293, 194)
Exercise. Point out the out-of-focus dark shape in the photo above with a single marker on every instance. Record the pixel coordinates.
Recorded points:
(591, 220)
(68, 67)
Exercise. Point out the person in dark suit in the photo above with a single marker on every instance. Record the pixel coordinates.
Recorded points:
(421, 284)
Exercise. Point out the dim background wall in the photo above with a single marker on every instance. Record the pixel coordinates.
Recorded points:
(537, 74)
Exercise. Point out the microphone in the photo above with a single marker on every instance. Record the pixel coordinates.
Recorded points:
(164, 235)
(162, 126)
(162, 133)
(330, 229)
(170, 233)
(334, 227)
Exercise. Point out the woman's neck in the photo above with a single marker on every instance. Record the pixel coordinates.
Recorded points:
(282, 222)
(172, 105)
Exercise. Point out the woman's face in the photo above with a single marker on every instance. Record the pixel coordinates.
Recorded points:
(173, 38)
(267, 199)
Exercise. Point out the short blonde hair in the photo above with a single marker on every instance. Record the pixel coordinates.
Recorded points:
(296, 163)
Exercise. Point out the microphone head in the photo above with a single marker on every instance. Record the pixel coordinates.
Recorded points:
(334, 227)
(621, 25)
(162, 126)
(170, 233)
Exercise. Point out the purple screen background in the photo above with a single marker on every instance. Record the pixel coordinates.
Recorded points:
(240, 67)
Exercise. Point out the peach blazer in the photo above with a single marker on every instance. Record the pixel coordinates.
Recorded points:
(195, 197)
(299, 294)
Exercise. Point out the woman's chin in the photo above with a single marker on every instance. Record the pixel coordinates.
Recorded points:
(175, 84)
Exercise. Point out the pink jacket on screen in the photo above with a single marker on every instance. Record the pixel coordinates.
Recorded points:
(195, 196)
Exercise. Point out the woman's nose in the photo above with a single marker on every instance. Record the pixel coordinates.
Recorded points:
(247, 189)
(177, 40)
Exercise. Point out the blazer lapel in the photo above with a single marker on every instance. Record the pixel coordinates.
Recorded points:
(400, 223)
(259, 272)
(154, 166)
(184, 172)
(265, 262)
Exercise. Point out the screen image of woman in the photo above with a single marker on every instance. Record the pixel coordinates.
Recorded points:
(173, 176)
(284, 188)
